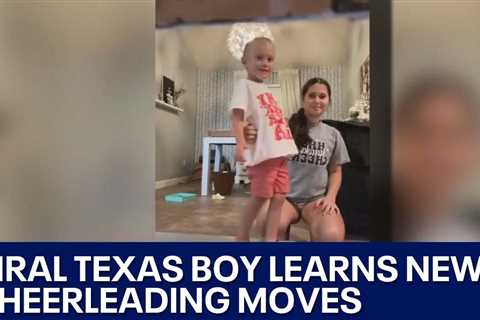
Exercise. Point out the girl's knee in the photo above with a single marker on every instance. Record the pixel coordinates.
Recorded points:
(327, 232)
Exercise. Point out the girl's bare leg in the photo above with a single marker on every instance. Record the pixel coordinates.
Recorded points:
(323, 226)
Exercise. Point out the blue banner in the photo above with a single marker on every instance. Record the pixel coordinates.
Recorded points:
(239, 281)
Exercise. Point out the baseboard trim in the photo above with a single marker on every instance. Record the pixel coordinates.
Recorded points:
(170, 182)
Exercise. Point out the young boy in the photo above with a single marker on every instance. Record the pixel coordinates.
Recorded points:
(267, 158)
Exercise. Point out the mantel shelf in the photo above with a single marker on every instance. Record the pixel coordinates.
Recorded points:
(168, 106)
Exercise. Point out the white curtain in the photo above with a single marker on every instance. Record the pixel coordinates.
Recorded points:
(239, 74)
(214, 91)
(242, 74)
(290, 90)
(337, 110)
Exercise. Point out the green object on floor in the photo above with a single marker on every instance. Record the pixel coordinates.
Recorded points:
(179, 197)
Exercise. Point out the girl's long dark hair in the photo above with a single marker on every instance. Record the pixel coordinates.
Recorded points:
(298, 121)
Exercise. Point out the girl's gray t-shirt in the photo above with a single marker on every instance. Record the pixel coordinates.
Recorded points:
(308, 170)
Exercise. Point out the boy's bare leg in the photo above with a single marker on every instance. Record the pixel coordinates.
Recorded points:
(251, 211)
(273, 217)
(261, 220)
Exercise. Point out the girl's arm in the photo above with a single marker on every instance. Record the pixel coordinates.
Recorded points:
(328, 203)
(334, 182)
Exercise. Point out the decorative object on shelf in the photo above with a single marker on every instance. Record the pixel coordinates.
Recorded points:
(168, 90)
(365, 76)
(160, 91)
(361, 109)
(168, 97)
(242, 33)
(177, 95)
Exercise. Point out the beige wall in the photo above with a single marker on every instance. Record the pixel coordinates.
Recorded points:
(359, 50)
(76, 120)
(174, 132)
(436, 36)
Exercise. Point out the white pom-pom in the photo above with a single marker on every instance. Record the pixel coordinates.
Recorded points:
(242, 33)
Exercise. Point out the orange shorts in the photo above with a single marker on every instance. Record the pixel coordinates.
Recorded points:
(269, 177)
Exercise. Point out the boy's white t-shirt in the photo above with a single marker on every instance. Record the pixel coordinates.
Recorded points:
(274, 138)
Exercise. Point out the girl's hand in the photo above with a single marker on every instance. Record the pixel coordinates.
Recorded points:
(327, 206)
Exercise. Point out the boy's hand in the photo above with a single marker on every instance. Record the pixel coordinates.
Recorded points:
(240, 153)
(250, 133)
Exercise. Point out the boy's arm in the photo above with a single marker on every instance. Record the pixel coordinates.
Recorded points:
(238, 124)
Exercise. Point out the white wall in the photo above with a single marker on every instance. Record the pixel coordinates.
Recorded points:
(174, 132)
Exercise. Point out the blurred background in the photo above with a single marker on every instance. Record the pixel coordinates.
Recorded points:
(76, 120)
(435, 80)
